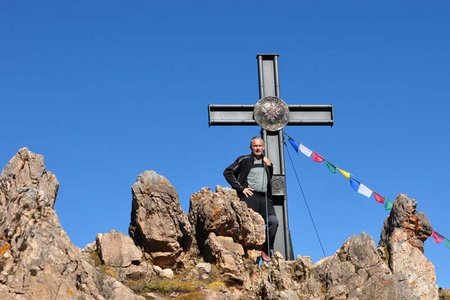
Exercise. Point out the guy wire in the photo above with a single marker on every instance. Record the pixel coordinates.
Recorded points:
(304, 198)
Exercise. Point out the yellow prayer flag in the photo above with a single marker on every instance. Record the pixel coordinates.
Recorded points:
(345, 173)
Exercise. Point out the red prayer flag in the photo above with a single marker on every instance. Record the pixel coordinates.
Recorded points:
(437, 237)
(378, 198)
(316, 157)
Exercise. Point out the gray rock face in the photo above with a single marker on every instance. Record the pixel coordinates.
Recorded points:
(38, 260)
(158, 224)
(117, 250)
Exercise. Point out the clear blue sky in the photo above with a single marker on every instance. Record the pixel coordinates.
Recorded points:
(108, 89)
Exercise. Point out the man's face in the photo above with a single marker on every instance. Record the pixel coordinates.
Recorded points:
(257, 147)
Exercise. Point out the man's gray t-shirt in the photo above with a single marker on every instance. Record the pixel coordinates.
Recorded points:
(257, 178)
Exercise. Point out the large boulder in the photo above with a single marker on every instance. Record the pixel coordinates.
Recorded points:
(117, 250)
(38, 261)
(226, 253)
(227, 232)
(223, 214)
(158, 224)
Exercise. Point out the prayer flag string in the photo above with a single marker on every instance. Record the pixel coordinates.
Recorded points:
(355, 184)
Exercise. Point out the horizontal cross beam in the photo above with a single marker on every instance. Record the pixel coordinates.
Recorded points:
(303, 114)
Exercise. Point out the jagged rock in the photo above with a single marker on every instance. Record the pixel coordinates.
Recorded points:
(116, 255)
(226, 253)
(117, 250)
(282, 284)
(158, 224)
(38, 261)
(413, 269)
(405, 217)
(402, 237)
(139, 270)
(356, 271)
(223, 214)
(46, 265)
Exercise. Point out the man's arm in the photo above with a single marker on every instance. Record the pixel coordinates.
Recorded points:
(231, 173)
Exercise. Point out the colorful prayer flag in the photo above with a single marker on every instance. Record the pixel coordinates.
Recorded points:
(378, 198)
(305, 150)
(388, 204)
(447, 243)
(345, 173)
(357, 185)
(330, 167)
(364, 190)
(317, 158)
(354, 183)
(294, 144)
(437, 237)
(360, 188)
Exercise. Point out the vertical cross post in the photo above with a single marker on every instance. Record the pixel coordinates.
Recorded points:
(269, 86)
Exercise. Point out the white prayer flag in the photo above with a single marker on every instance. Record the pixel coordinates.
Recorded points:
(305, 150)
(364, 190)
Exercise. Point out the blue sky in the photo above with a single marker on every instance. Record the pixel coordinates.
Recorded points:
(108, 89)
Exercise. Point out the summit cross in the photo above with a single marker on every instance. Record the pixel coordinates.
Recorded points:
(301, 115)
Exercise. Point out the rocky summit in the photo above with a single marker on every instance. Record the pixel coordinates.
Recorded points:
(209, 253)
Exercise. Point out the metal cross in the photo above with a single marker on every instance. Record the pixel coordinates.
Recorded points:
(269, 91)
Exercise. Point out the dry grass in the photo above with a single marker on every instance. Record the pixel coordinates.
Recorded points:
(182, 287)
(95, 257)
(169, 286)
(216, 286)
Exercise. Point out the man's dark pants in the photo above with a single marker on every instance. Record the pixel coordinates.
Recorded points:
(257, 202)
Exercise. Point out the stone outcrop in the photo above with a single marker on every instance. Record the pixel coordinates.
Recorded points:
(223, 214)
(402, 238)
(414, 226)
(158, 224)
(227, 231)
(356, 271)
(37, 260)
(226, 253)
(211, 253)
(117, 249)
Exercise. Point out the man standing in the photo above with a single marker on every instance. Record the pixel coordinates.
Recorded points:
(250, 175)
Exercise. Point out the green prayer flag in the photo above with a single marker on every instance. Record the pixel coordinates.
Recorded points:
(331, 167)
(388, 204)
(447, 243)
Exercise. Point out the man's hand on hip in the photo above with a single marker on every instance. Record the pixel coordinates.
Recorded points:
(248, 192)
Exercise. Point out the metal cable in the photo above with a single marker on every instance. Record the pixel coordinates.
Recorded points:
(306, 202)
